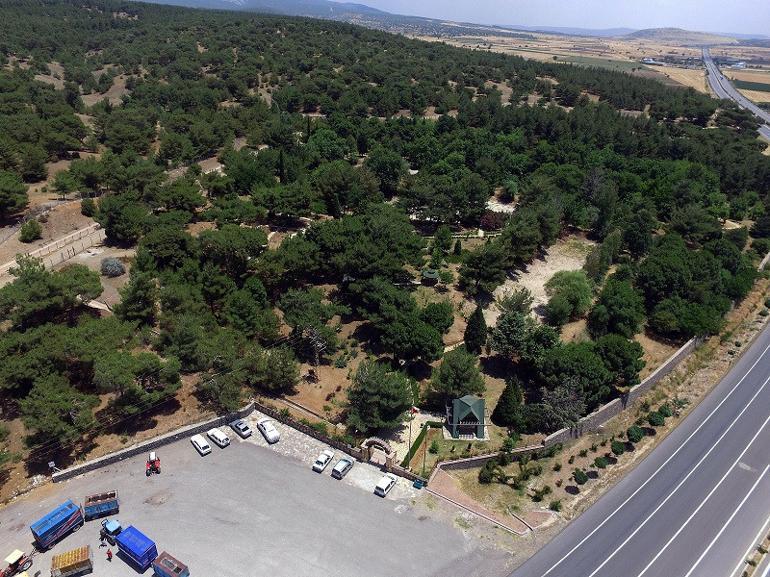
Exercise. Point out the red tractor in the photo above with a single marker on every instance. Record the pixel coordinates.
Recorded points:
(153, 466)
(18, 561)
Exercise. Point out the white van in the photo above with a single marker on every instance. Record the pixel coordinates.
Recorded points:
(218, 437)
(385, 484)
(201, 445)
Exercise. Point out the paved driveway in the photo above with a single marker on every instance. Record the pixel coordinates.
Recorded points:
(249, 510)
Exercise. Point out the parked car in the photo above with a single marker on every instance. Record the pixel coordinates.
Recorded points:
(342, 467)
(322, 460)
(385, 484)
(218, 437)
(201, 445)
(241, 428)
(268, 430)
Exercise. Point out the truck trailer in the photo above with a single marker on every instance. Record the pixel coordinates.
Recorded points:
(61, 521)
(101, 505)
(167, 566)
(70, 563)
(137, 547)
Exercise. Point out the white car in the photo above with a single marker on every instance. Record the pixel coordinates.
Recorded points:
(385, 484)
(218, 437)
(268, 430)
(322, 460)
(201, 445)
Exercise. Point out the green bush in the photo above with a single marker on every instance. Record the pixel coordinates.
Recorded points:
(555, 505)
(665, 410)
(635, 434)
(487, 472)
(434, 448)
(580, 477)
(601, 462)
(30, 230)
(655, 419)
(88, 207)
(618, 448)
(557, 467)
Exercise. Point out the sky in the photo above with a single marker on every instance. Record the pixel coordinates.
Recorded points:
(736, 16)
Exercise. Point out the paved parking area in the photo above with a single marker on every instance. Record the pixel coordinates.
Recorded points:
(249, 510)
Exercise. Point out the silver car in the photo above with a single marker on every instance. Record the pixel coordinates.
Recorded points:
(322, 460)
(342, 467)
(241, 428)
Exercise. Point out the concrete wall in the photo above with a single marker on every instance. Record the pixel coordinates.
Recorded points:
(479, 460)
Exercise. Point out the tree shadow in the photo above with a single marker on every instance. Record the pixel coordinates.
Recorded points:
(497, 367)
(592, 474)
(649, 431)
(572, 490)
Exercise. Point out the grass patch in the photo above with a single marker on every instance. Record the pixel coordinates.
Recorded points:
(746, 85)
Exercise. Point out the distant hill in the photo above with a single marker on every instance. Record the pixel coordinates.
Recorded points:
(683, 37)
(569, 31)
(355, 14)
(312, 8)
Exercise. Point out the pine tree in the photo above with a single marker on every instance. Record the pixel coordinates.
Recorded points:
(476, 332)
(139, 299)
(509, 410)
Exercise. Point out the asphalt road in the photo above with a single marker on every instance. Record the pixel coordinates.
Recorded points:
(723, 88)
(249, 511)
(694, 506)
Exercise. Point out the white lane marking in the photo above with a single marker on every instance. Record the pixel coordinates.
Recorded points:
(757, 540)
(659, 469)
(722, 530)
(704, 501)
(687, 476)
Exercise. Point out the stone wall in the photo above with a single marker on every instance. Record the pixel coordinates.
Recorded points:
(591, 423)
(147, 446)
(479, 460)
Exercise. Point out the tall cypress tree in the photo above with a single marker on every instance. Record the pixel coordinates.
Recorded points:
(476, 332)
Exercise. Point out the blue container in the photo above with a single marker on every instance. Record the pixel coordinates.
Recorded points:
(101, 505)
(56, 524)
(140, 549)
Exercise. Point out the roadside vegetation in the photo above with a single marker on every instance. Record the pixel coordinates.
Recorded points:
(352, 167)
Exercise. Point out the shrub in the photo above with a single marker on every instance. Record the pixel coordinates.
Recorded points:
(635, 434)
(487, 472)
(112, 267)
(665, 411)
(555, 505)
(538, 494)
(655, 419)
(583, 452)
(434, 448)
(557, 467)
(580, 477)
(618, 448)
(601, 462)
(571, 459)
(88, 207)
(30, 230)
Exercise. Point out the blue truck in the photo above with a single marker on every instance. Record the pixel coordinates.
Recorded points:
(101, 505)
(139, 549)
(166, 566)
(66, 518)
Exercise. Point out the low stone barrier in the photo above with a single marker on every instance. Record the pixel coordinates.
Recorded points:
(149, 445)
(479, 460)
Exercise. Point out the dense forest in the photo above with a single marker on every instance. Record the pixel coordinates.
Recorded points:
(380, 141)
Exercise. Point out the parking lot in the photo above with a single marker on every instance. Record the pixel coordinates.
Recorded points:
(254, 510)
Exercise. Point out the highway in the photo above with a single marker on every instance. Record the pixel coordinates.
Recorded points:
(694, 506)
(724, 89)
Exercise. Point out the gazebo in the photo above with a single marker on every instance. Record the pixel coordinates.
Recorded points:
(465, 418)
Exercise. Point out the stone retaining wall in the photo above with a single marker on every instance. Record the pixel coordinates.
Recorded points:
(148, 446)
